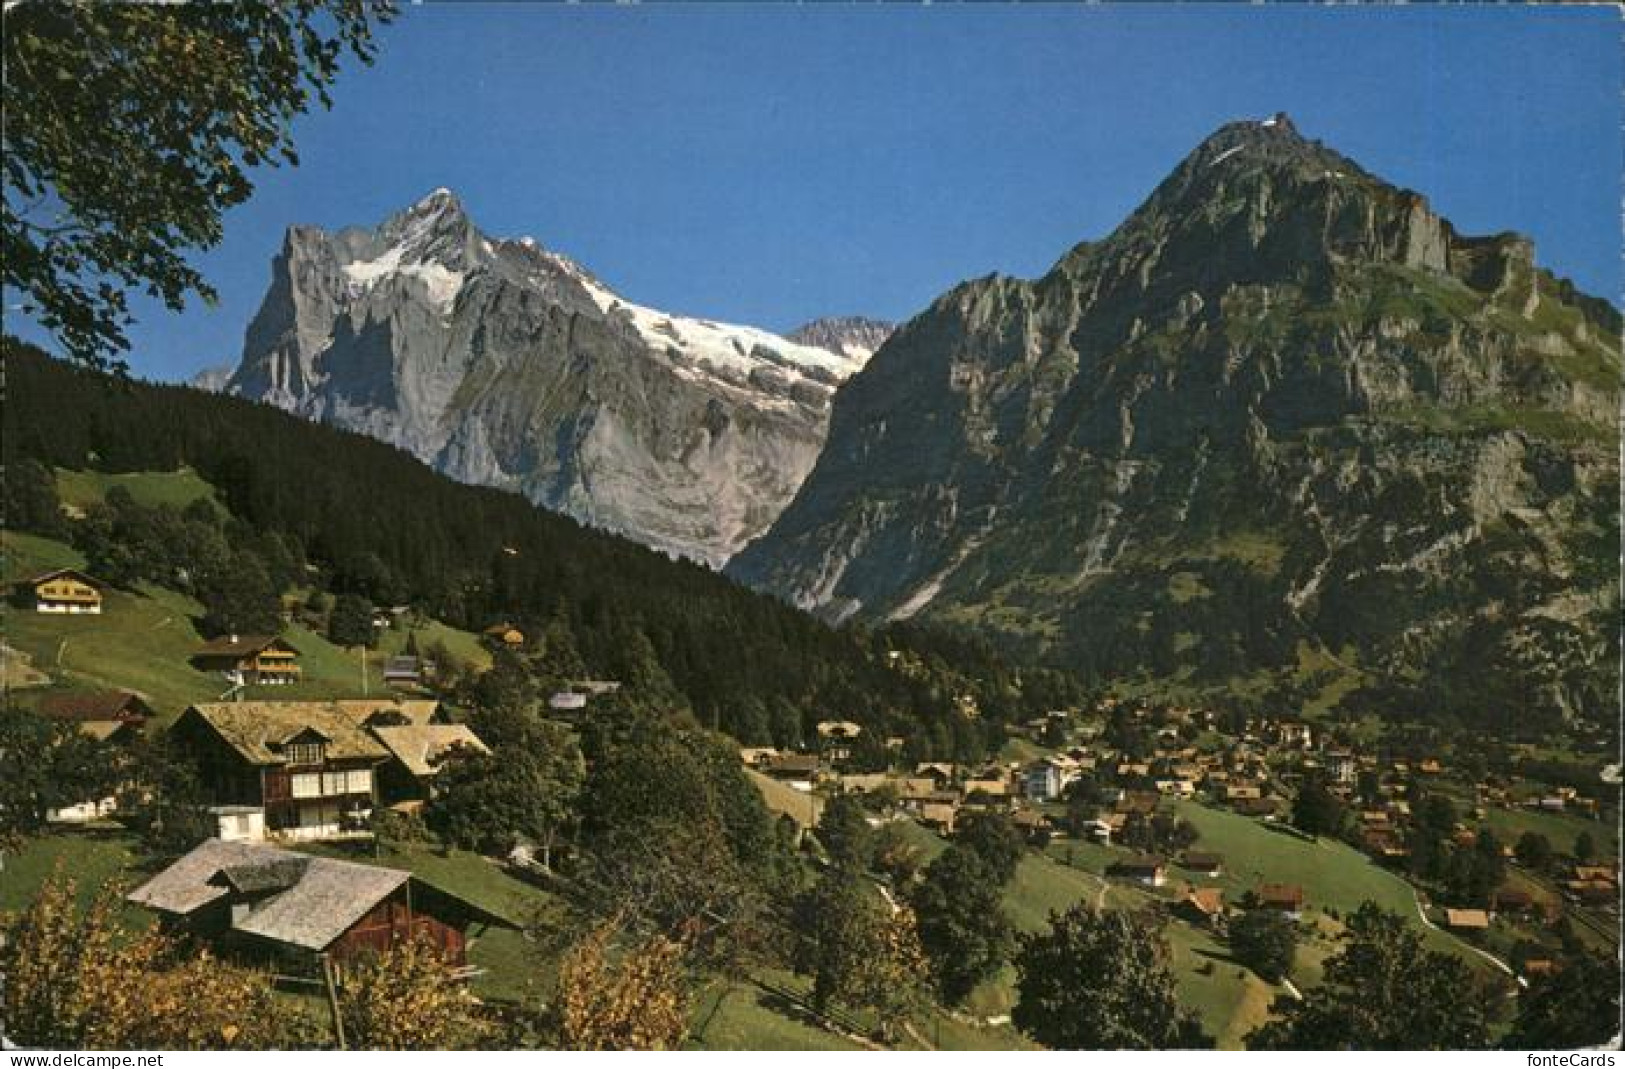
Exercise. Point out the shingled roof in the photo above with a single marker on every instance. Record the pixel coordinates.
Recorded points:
(257, 730)
(411, 710)
(420, 747)
(95, 705)
(315, 899)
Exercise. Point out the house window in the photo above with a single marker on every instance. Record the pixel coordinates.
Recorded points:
(304, 753)
(307, 785)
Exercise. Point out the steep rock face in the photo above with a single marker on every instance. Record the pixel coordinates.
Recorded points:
(501, 363)
(1283, 402)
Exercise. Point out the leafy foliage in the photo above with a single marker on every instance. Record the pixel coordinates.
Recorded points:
(1266, 942)
(995, 840)
(963, 927)
(1575, 1007)
(1383, 991)
(407, 999)
(638, 1002)
(74, 981)
(1100, 980)
(844, 830)
(130, 129)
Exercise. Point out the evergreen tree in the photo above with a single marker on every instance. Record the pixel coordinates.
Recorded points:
(860, 952)
(1316, 809)
(350, 623)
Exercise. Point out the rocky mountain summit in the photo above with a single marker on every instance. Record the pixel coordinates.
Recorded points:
(503, 363)
(1284, 413)
(854, 337)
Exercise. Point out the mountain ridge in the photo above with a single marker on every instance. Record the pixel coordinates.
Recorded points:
(503, 363)
(1239, 385)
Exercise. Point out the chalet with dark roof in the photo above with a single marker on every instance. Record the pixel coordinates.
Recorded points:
(66, 591)
(107, 715)
(256, 659)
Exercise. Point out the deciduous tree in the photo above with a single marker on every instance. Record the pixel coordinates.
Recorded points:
(1382, 991)
(1265, 941)
(963, 927)
(407, 998)
(1100, 980)
(1578, 1006)
(74, 981)
(635, 1000)
(130, 130)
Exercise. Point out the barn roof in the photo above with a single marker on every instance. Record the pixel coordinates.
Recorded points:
(94, 705)
(256, 730)
(421, 746)
(314, 901)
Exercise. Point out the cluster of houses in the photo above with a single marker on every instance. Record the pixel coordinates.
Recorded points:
(288, 772)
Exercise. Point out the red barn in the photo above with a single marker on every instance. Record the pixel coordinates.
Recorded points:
(263, 900)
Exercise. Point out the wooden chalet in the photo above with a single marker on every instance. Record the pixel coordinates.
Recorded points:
(416, 752)
(111, 716)
(107, 715)
(1287, 898)
(309, 765)
(1207, 864)
(66, 591)
(1151, 871)
(257, 659)
(305, 912)
(1205, 906)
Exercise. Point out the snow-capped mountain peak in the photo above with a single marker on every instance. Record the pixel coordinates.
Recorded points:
(503, 362)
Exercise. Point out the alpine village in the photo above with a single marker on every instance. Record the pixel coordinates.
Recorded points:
(1211, 643)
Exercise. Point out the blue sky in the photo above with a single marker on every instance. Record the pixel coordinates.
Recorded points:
(770, 164)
